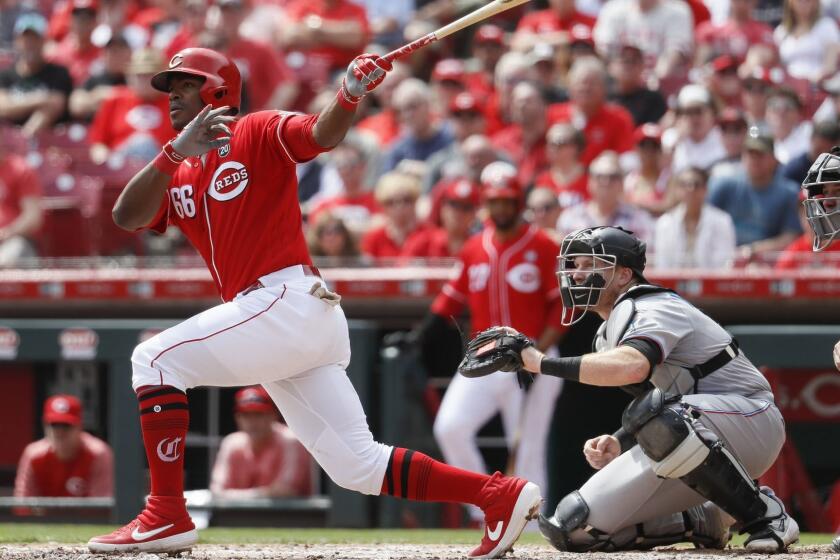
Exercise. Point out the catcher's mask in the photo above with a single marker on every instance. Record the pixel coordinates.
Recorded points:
(602, 248)
(822, 208)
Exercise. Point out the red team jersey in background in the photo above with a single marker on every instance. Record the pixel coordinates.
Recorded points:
(238, 205)
(41, 473)
(511, 283)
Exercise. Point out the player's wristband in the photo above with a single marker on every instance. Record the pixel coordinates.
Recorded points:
(567, 368)
(347, 101)
(168, 160)
(626, 440)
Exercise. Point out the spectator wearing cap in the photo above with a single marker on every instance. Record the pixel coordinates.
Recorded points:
(458, 205)
(581, 43)
(664, 29)
(513, 67)
(328, 237)
(355, 205)
(693, 234)
(263, 459)
(86, 100)
(384, 125)
(809, 43)
(606, 206)
(627, 70)
(466, 118)
(800, 254)
(542, 208)
(551, 25)
(733, 130)
(268, 81)
(422, 134)
(20, 209)
(447, 82)
(134, 120)
(791, 132)
(757, 85)
(76, 51)
(545, 72)
(646, 186)
(825, 134)
(695, 141)
(397, 194)
(33, 92)
(725, 84)
(732, 37)
(761, 201)
(605, 126)
(67, 462)
(566, 174)
(524, 140)
(10, 11)
(488, 46)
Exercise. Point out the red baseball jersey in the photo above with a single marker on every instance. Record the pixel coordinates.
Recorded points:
(238, 205)
(41, 473)
(511, 283)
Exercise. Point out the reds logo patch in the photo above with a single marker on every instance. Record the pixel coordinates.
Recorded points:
(229, 181)
(524, 277)
(176, 61)
(167, 450)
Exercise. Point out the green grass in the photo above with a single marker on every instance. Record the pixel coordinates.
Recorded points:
(79, 534)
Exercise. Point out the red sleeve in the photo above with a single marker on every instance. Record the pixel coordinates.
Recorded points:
(527, 22)
(453, 297)
(417, 245)
(623, 133)
(98, 132)
(25, 482)
(369, 242)
(101, 481)
(28, 184)
(295, 136)
(703, 32)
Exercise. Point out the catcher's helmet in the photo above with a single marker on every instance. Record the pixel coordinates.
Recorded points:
(822, 202)
(222, 82)
(498, 180)
(607, 246)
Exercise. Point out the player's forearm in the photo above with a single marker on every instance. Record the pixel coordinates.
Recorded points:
(333, 123)
(614, 368)
(141, 198)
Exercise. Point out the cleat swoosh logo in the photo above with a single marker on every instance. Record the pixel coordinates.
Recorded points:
(139, 535)
(495, 533)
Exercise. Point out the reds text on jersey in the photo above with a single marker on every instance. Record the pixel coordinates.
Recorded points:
(511, 283)
(238, 204)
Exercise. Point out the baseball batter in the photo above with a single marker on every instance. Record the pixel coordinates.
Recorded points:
(506, 277)
(822, 208)
(229, 184)
(702, 427)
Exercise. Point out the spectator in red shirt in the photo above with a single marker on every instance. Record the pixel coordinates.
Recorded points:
(459, 203)
(627, 70)
(447, 82)
(524, 139)
(356, 205)
(724, 83)
(397, 193)
(512, 68)
(551, 25)
(134, 121)
(605, 126)
(268, 82)
(263, 459)
(566, 175)
(384, 126)
(733, 37)
(68, 462)
(20, 209)
(647, 186)
(488, 46)
(76, 51)
(329, 238)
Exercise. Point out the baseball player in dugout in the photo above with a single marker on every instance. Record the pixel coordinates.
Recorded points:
(229, 184)
(703, 426)
(822, 209)
(506, 276)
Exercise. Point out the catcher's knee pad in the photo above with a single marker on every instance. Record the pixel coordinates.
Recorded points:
(571, 514)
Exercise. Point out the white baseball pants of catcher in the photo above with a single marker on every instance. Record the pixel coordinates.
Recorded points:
(294, 344)
(469, 403)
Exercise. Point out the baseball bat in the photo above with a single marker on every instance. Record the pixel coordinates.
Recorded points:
(482, 13)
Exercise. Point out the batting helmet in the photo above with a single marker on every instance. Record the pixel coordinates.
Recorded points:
(222, 83)
(607, 246)
(498, 180)
(822, 202)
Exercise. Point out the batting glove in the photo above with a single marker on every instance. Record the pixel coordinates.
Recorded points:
(364, 73)
(207, 131)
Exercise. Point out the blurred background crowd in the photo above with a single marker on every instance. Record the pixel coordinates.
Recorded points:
(689, 122)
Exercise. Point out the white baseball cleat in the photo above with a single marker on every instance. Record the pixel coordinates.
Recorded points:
(780, 531)
(508, 504)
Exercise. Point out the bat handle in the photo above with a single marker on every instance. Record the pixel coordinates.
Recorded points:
(410, 48)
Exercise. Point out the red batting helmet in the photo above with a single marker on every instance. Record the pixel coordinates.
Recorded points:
(498, 180)
(222, 82)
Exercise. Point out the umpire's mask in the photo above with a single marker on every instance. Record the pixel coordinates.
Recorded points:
(591, 255)
(822, 202)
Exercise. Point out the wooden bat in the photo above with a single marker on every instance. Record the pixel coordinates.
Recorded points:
(482, 13)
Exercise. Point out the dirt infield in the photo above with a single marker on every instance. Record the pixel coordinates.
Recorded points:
(392, 552)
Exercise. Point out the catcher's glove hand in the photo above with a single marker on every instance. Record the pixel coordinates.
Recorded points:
(494, 349)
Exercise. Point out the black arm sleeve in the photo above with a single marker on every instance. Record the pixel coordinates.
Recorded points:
(648, 348)
(625, 439)
(567, 368)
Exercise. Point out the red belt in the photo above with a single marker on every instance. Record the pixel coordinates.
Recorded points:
(307, 271)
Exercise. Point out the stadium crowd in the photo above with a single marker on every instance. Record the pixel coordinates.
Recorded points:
(689, 122)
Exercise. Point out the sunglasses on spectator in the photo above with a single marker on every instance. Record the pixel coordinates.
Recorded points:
(403, 200)
(607, 176)
(460, 206)
(466, 114)
(543, 209)
(649, 144)
(332, 230)
(756, 87)
(692, 111)
(691, 184)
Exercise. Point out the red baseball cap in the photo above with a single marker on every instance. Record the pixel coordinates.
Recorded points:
(498, 180)
(582, 34)
(465, 102)
(489, 33)
(63, 409)
(461, 191)
(725, 62)
(648, 131)
(253, 399)
(448, 69)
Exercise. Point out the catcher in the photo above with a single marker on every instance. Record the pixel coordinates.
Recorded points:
(822, 208)
(702, 427)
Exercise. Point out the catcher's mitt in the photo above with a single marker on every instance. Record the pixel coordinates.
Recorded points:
(494, 349)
